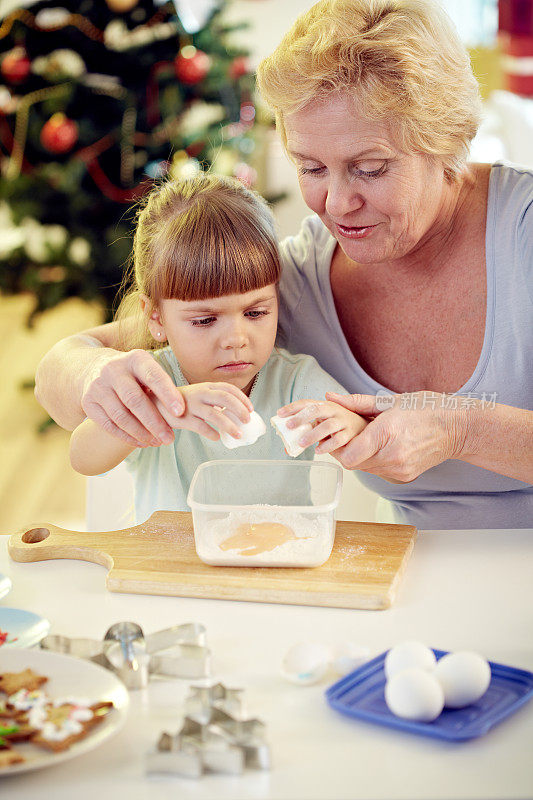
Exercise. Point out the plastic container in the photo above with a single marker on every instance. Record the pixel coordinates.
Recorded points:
(265, 513)
(362, 695)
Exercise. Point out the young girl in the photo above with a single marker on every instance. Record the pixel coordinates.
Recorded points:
(204, 283)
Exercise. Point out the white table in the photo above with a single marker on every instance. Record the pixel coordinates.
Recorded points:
(462, 590)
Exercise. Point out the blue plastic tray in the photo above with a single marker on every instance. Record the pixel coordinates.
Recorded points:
(361, 695)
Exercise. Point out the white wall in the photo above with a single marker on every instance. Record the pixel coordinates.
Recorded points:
(476, 20)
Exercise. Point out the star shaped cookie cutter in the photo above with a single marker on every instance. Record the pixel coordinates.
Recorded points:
(212, 738)
(177, 652)
(201, 701)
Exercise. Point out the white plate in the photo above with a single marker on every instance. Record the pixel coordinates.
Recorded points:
(5, 585)
(72, 677)
(23, 628)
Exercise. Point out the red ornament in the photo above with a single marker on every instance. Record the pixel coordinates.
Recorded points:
(194, 149)
(16, 65)
(59, 134)
(192, 65)
(239, 67)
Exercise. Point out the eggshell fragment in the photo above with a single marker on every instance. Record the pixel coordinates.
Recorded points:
(290, 436)
(464, 677)
(250, 431)
(414, 694)
(306, 663)
(409, 654)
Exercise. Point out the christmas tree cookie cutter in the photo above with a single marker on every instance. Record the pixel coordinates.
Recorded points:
(177, 652)
(211, 737)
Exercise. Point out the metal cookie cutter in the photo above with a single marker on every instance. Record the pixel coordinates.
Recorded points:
(211, 738)
(177, 652)
(201, 701)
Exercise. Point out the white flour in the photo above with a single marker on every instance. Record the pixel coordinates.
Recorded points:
(312, 546)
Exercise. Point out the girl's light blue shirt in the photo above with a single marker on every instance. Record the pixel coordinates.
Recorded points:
(162, 475)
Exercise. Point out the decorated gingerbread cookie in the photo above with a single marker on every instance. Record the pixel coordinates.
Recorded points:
(24, 700)
(27, 713)
(12, 682)
(63, 722)
(12, 730)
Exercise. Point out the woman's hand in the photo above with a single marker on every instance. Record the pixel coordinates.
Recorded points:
(206, 406)
(333, 425)
(410, 436)
(120, 395)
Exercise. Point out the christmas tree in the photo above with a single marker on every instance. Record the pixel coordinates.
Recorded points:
(99, 99)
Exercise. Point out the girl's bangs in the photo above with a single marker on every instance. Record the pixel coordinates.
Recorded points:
(215, 254)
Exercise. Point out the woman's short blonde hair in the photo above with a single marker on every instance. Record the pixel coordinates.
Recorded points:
(401, 59)
(195, 239)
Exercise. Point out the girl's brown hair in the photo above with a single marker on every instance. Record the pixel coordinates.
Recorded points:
(198, 238)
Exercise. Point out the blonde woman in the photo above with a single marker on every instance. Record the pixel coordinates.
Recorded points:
(202, 300)
(410, 284)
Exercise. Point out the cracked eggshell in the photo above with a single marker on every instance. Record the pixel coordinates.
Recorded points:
(290, 436)
(414, 694)
(306, 663)
(251, 431)
(464, 676)
(409, 654)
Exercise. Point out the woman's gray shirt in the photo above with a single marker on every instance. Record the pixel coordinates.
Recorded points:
(453, 494)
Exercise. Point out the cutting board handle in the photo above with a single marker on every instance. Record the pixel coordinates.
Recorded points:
(43, 541)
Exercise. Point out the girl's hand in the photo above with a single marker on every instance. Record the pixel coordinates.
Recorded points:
(410, 436)
(333, 425)
(206, 404)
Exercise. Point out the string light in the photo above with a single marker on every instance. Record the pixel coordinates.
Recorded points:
(21, 125)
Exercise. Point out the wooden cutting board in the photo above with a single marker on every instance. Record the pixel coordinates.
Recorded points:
(159, 557)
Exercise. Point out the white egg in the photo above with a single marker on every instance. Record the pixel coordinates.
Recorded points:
(414, 694)
(306, 663)
(409, 654)
(464, 677)
(250, 431)
(348, 656)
